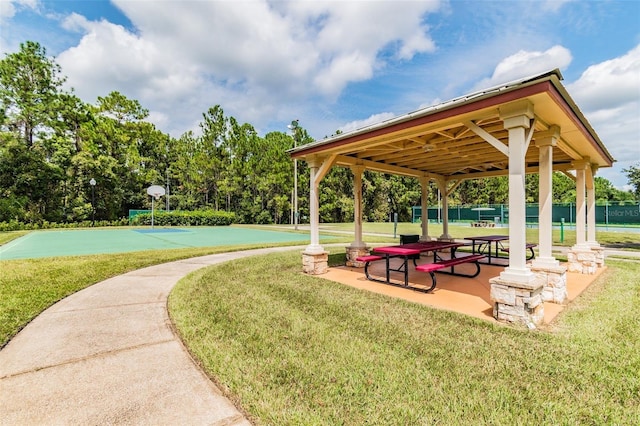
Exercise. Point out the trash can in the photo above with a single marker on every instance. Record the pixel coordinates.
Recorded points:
(410, 238)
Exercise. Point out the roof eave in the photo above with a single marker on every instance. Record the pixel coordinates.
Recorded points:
(447, 105)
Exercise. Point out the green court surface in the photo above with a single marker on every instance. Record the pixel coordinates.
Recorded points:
(98, 241)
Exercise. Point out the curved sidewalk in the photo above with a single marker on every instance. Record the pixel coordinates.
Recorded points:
(108, 355)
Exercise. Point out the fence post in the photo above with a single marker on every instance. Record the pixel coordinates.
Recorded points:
(570, 212)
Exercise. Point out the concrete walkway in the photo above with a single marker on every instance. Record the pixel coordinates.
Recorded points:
(108, 355)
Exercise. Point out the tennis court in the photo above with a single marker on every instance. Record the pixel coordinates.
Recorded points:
(99, 241)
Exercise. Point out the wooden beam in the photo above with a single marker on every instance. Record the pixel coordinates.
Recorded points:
(456, 183)
(345, 160)
(327, 163)
(497, 144)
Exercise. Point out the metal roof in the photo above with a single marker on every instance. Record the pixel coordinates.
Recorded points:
(443, 140)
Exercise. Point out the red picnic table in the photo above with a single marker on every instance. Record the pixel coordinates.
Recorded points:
(412, 251)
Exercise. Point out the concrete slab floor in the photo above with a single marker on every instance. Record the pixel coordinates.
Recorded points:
(469, 296)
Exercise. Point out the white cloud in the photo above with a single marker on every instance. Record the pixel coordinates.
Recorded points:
(609, 95)
(373, 119)
(8, 8)
(255, 58)
(610, 83)
(526, 63)
(553, 5)
(356, 66)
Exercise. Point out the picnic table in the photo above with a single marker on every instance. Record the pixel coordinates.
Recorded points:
(412, 251)
(483, 245)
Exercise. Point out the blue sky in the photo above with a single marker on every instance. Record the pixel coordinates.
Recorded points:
(338, 64)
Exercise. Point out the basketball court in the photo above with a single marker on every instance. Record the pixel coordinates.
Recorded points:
(100, 241)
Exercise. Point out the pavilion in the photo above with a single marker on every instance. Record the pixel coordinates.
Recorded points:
(525, 126)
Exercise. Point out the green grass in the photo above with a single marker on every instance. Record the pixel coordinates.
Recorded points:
(5, 237)
(294, 349)
(29, 286)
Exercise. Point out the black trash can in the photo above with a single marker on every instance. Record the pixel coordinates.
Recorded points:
(410, 238)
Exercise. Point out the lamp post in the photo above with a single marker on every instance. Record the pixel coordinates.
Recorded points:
(167, 191)
(167, 172)
(92, 182)
(294, 128)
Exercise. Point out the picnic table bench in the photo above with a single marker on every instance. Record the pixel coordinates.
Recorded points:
(450, 263)
(409, 251)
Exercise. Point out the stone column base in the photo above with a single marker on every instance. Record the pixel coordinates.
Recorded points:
(315, 263)
(599, 253)
(517, 302)
(554, 279)
(582, 260)
(353, 253)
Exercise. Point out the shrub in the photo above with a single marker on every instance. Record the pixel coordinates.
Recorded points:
(186, 218)
(13, 225)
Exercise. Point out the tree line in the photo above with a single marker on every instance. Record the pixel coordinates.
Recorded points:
(52, 144)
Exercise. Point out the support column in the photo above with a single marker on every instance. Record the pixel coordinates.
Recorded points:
(314, 257)
(591, 216)
(517, 120)
(442, 185)
(545, 266)
(424, 206)
(545, 145)
(517, 293)
(580, 257)
(591, 207)
(581, 207)
(357, 247)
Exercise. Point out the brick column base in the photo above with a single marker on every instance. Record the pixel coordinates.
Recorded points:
(315, 263)
(554, 279)
(353, 253)
(582, 260)
(517, 302)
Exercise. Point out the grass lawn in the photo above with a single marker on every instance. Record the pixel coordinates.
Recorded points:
(5, 237)
(29, 286)
(297, 349)
(294, 349)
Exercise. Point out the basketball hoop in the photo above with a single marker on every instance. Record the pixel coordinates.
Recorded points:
(156, 191)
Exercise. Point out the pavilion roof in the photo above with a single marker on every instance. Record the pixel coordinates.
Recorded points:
(450, 139)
